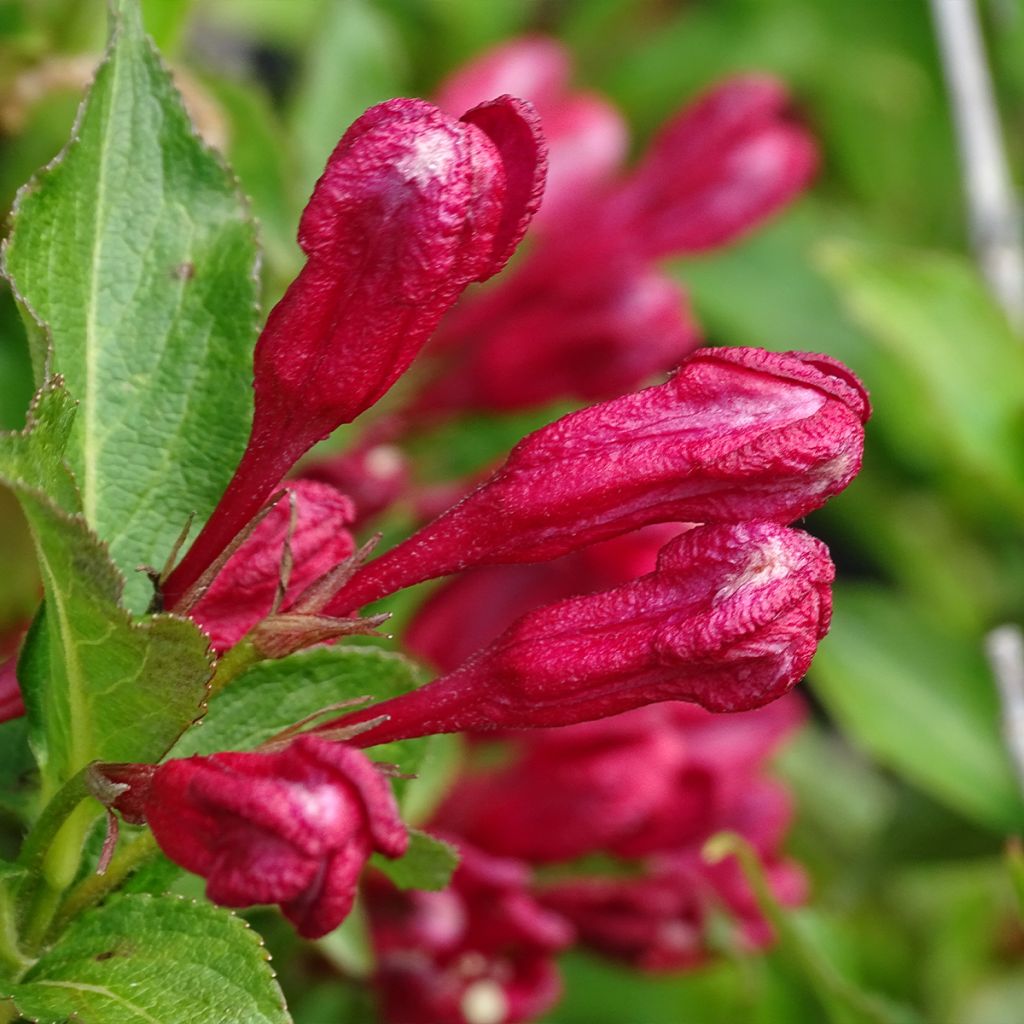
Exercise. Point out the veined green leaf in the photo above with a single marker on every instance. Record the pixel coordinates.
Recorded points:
(136, 253)
(97, 684)
(273, 695)
(154, 960)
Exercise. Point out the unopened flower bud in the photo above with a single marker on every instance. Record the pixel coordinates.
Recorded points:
(293, 827)
(412, 207)
(301, 538)
(730, 619)
(736, 435)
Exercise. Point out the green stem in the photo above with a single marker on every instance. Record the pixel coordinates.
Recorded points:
(91, 890)
(828, 984)
(50, 856)
(39, 840)
(11, 956)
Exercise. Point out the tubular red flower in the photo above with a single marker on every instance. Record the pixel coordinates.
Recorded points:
(293, 827)
(413, 206)
(729, 619)
(589, 329)
(483, 942)
(657, 778)
(244, 590)
(468, 612)
(716, 170)
(737, 434)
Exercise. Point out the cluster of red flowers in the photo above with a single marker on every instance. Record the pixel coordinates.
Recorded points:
(634, 552)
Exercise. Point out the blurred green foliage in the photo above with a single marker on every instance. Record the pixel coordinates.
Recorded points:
(906, 793)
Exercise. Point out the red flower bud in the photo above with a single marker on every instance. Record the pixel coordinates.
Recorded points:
(729, 619)
(469, 611)
(293, 827)
(737, 434)
(716, 170)
(244, 590)
(483, 944)
(413, 206)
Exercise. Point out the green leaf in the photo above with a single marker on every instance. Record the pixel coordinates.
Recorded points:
(921, 700)
(962, 404)
(273, 695)
(97, 683)
(154, 960)
(428, 863)
(135, 251)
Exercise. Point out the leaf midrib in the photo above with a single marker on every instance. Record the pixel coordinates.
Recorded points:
(90, 454)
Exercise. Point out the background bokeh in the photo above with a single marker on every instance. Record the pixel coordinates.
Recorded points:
(907, 796)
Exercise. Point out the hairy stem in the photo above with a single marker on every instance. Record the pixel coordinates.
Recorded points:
(90, 891)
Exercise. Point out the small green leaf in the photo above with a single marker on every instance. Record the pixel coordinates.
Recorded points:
(920, 699)
(273, 695)
(429, 863)
(136, 253)
(154, 960)
(97, 684)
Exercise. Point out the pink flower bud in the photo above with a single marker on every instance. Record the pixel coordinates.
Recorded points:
(293, 827)
(244, 590)
(729, 619)
(483, 942)
(586, 136)
(737, 434)
(716, 170)
(413, 206)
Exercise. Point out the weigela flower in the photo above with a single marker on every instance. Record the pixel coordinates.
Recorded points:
(312, 519)
(587, 315)
(413, 206)
(568, 792)
(483, 944)
(655, 779)
(469, 611)
(293, 827)
(735, 435)
(730, 619)
(652, 913)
